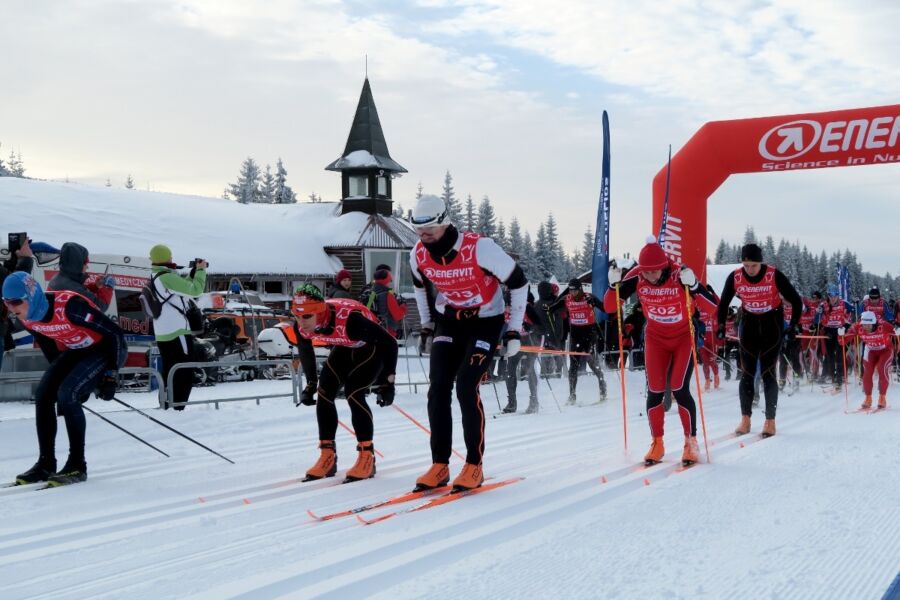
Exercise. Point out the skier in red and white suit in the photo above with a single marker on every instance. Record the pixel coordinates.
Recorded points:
(660, 287)
(877, 335)
(465, 271)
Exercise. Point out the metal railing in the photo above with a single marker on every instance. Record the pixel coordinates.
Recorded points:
(295, 381)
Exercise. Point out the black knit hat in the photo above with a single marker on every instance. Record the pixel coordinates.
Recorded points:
(574, 284)
(751, 252)
(874, 294)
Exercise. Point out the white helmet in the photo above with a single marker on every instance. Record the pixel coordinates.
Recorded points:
(429, 211)
(868, 318)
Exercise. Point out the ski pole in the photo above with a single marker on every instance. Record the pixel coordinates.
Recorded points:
(172, 429)
(690, 311)
(406, 354)
(622, 367)
(494, 383)
(546, 378)
(353, 433)
(122, 429)
(423, 428)
(846, 391)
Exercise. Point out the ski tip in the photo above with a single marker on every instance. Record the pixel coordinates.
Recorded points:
(313, 515)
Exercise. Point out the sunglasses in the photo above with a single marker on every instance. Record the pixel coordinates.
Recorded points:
(14, 302)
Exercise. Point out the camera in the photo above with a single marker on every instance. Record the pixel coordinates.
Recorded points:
(15, 241)
(193, 264)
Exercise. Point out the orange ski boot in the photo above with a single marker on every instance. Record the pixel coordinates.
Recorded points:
(469, 478)
(365, 463)
(867, 403)
(691, 452)
(768, 429)
(882, 400)
(744, 426)
(436, 476)
(326, 466)
(656, 452)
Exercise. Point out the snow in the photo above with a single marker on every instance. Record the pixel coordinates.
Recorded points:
(810, 513)
(358, 159)
(236, 238)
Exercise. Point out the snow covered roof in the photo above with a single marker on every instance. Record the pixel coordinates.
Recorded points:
(235, 238)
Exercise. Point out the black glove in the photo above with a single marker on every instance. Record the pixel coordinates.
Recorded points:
(791, 333)
(106, 389)
(384, 394)
(425, 337)
(813, 329)
(308, 395)
(720, 332)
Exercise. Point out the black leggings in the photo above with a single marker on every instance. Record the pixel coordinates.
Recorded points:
(354, 369)
(760, 344)
(461, 353)
(791, 354)
(67, 383)
(171, 353)
(584, 339)
(834, 365)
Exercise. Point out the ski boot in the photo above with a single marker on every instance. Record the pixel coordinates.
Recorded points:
(469, 478)
(882, 400)
(768, 429)
(571, 401)
(781, 384)
(867, 403)
(510, 406)
(707, 385)
(716, 381)
(691, 452)
(533, 407)
(326, 466)
(656, 452)
(744, 426)
(796, 385)
(40, 471)
(74, 471)
(602, 390)
(365, 463)
(437, 475)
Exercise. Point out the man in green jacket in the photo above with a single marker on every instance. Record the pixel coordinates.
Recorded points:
(171, 328)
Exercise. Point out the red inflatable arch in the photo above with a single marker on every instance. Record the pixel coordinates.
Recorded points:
(842, 138)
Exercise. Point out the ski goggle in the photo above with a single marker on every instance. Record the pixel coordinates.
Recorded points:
(428, 221)
(13, 302)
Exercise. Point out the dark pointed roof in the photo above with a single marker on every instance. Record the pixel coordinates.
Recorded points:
(366, 140)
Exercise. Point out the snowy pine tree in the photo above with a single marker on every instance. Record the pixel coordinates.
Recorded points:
(450, 201)
(528, 261)
(3, 171)
(769, 254)
(419, 191)
(543, 254)
(750, 236)
(246, 189)
(557, 255)
(129, 182)
(267, 186)
(470, 216)
(487, 220)
(515, 242)
(283, 192)
(500, 236)
(397, 211)
(585, 258)
(722, 253)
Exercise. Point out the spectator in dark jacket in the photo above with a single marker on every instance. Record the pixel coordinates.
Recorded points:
(549, 327)
(72, 276)
(22, 261)
(341, 287)
(387, 306)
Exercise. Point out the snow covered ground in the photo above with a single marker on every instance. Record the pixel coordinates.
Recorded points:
(812, 513)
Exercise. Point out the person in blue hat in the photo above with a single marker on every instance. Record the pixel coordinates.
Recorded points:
(85, 349)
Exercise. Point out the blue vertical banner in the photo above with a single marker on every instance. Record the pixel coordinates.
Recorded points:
(665, 215)
(600, 263)
(843, 278)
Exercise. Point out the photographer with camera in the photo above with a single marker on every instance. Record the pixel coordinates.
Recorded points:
(168, 299)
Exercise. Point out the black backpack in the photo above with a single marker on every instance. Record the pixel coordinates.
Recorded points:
(150, 300)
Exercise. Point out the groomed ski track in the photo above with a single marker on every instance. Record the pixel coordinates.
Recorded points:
(810, 513)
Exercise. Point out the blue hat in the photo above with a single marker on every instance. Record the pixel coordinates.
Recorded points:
(22, 286)
(833, 290)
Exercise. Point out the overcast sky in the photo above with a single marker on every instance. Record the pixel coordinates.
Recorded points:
(506, 94)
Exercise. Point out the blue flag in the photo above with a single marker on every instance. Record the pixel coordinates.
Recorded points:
(843, 278)
(600, 263)
(665, 215)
